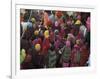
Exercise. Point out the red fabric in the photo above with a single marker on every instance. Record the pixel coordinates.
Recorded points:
(51, 36)
(73, 59)
(47, 21)
(84, 56)
(45, 45)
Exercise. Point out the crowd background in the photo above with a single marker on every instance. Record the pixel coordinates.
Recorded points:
(54, 39)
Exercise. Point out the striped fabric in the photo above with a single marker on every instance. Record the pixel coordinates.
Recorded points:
(51, 59)
(66, 54)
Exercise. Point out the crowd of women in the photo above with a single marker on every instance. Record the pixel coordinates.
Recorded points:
(54, 39)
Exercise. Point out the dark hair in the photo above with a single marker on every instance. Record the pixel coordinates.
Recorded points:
(84, 17)
(52, 47)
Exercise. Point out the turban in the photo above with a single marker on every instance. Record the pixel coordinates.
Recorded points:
(46, 34)
(37, 47)
(78, 22)
(22, 55)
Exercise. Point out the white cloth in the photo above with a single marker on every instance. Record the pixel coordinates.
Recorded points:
(83, 29)
(24, 25)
